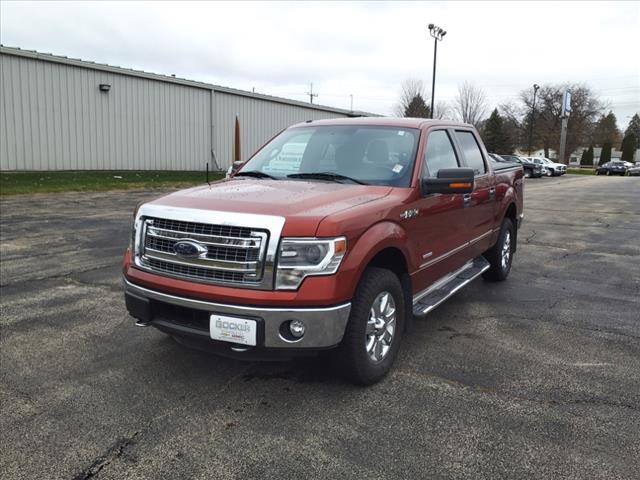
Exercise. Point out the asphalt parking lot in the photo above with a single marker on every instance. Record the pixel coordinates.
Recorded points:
(536, 377)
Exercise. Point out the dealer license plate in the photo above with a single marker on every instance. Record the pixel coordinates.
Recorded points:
(233, 329)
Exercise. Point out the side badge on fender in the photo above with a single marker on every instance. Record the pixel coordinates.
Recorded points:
(412, 212)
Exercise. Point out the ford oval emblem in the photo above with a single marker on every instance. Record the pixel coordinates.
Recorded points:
(189, 249)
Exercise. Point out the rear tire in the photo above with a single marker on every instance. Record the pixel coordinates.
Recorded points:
(500, 256)
(376, 323)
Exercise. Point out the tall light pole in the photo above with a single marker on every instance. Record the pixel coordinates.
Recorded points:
(437, 33)
(533, 115)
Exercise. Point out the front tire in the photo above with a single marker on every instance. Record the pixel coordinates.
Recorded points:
(500, 256)
(376, 323)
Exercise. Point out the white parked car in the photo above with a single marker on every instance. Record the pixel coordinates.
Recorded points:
(553, 168)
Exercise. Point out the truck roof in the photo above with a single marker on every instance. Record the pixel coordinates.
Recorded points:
(400, 122)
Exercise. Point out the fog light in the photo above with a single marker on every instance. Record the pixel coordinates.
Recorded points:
(296, 327)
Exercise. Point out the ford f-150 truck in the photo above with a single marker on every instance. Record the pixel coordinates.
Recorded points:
(333, 236)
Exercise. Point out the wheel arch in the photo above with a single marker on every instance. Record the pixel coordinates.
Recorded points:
(393, 259)
(384, 245)
(511, 213)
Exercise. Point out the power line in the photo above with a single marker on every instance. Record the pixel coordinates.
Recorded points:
(311, 94)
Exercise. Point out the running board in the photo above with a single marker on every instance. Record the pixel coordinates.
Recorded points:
(444, 288)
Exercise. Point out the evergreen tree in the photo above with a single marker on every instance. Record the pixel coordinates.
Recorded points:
(605, 155)
(417, 108)
(588, 157)
(634, 128)
(629, 145)
(496, 138)
(583, 157)
(606, 130)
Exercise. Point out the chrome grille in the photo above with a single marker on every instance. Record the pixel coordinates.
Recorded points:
(231, 254)
(201, 228)
(196, 272)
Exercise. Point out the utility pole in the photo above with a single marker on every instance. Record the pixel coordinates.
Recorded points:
(533, 115)
(351, 95)
(566, 110)
(437, 33)
(311, 94)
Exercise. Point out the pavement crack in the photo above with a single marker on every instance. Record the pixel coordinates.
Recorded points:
(529, 238)
(115, 451)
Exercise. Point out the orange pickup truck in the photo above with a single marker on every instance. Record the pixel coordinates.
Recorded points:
(334, 236)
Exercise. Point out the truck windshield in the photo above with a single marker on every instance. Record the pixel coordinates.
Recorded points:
(343, 153)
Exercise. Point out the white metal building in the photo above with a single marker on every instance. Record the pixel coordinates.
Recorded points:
(59, 113)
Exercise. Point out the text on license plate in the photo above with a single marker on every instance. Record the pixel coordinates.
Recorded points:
(233, 329)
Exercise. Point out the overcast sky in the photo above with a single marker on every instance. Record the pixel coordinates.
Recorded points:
(358, 48)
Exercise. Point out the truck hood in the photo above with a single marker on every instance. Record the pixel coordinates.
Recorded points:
(295, 200)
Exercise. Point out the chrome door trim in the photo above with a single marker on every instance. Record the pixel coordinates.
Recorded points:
(455, 250)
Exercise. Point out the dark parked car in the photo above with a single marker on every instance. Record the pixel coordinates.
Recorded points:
(530, 169)
(615, 167)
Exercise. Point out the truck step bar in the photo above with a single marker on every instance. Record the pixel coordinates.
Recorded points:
(444, 288)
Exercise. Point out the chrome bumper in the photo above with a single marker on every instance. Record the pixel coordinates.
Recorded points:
(324, 326)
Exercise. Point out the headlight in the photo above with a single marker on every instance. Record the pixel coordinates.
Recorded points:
(132, 237)
(302, 257)
(134, 227)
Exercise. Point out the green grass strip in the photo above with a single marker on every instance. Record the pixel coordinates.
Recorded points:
(581, 171)
(79, 181)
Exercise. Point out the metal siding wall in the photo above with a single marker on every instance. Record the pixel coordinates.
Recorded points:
(54, 117)
(259, 121)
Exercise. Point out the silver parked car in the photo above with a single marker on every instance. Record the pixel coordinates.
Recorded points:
(634, 171)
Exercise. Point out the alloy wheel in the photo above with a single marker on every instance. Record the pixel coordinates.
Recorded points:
(381, 326)
(505, 254)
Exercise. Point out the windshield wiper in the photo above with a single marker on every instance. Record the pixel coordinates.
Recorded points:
(331, 176)
(255, 174)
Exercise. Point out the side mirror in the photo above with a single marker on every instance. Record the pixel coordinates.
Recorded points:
(450, 180)
(235, 166)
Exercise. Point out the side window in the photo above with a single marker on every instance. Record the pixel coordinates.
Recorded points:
(471, 151)
(439, 154)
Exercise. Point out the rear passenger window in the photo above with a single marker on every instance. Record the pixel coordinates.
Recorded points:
(439, 153)
(471, 151)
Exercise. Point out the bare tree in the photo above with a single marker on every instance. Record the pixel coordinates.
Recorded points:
(411, 92)
(470, 104)
(442, 110)
(585, 108)
(513, 114)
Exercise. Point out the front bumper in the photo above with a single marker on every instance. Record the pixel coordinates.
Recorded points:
(187, 317)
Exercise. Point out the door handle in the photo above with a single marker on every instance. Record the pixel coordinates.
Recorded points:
(466, 200)
(492, 193)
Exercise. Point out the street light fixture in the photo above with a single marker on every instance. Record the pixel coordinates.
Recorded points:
(536, 87)
(438, 34)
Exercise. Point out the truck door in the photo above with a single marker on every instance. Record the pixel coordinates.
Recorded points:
(480, 204)
(438, 232)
